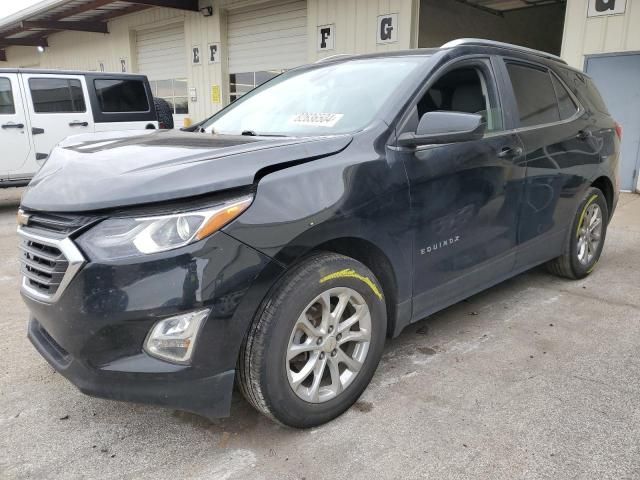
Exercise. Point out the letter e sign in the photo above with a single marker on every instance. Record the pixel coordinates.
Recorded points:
(326, 37)
(606, 7)
(195, 55)
(387, 29)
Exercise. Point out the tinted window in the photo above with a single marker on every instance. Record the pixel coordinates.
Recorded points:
(57, 95)
(535, 95)
(6, 97)
(121, 95)
(565, 102)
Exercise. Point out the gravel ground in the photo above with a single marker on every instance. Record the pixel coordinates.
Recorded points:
(535, 378)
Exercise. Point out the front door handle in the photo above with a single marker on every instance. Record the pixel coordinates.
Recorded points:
(79, 124)
(13, 125)
(510, 152)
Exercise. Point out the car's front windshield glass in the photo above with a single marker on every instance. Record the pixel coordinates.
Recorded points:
(334, 98)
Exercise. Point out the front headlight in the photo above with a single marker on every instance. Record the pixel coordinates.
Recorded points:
(116, 238)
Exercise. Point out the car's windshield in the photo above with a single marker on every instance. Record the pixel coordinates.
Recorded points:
(334, 98)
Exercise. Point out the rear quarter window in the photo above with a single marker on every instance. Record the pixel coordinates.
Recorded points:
(583, 87)
(121, 95)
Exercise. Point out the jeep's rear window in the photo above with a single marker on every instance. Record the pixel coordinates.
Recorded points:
(333, 98)
(118, 96)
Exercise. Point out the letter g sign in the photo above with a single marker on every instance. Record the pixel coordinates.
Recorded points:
(387, 28)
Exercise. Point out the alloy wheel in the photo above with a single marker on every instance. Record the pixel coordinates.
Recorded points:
(589, 234)
(328, 345)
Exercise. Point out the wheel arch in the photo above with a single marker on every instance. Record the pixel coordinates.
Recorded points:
(374, 258)
(605, 185)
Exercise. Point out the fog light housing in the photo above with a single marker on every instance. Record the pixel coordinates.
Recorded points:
(174, 338)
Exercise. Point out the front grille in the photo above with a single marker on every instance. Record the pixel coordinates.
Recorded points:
(43, 266)
(49, 259)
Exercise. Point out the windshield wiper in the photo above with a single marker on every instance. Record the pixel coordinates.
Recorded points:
(253, 133)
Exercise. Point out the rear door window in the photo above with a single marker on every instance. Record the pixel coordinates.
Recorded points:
(6, 97)
(118, 96)
(57, 95)
(535, 95)
(566, 105)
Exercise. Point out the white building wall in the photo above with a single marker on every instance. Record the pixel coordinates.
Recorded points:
(605, 34)
(355, 25)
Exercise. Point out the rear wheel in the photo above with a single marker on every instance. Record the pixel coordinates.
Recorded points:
(586, 240)
(316, 343)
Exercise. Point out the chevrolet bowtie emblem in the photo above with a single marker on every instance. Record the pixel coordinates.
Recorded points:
(23, 218)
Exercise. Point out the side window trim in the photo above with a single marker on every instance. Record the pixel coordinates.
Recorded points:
(483, 61)
(12, 97)
(516, 128)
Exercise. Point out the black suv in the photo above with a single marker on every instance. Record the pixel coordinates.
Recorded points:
(306, 222)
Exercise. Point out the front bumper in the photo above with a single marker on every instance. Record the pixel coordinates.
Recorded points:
(93, 334)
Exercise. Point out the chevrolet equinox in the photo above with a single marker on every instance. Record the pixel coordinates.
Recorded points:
(279, 244)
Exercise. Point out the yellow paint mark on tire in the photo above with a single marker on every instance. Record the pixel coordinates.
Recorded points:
(584, 211)
(350, 273)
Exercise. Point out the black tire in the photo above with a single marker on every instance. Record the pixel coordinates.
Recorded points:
(262, 364)
(165, 113)
(568, 264)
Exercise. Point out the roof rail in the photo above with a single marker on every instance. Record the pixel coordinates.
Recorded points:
(333, 57)
(510, 46)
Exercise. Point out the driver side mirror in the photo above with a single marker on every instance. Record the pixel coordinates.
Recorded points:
(445, 127)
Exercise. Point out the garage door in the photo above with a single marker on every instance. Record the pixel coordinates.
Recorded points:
(162, 56)
(264, 41)
(617, 79)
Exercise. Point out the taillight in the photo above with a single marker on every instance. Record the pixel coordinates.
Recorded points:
(618, 128)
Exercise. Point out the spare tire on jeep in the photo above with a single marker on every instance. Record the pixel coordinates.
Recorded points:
(165, 113)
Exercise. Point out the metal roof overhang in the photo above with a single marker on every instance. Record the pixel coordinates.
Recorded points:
(32, 26)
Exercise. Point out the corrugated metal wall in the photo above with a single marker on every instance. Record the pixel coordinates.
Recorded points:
(605, 34)
(355, 23)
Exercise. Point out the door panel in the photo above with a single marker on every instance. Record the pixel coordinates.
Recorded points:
(559, 164)
(14, 134)
(618, 79)
(59, 107)
(465, 201)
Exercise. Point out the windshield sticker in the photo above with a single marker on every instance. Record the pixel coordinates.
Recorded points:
(317, 119)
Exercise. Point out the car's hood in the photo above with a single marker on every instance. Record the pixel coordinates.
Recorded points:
(115, 169)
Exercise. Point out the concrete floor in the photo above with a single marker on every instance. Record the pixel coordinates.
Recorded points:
(535, 378)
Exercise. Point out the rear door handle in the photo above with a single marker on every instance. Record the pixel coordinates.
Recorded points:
(13, 125)
(79, 124)
(37, 131)
(510, 152)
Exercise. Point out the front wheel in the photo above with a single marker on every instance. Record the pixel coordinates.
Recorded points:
(314, 346)
(585, 241)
